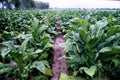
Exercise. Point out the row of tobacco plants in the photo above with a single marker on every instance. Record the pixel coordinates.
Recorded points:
(26, 45)
(92, 44)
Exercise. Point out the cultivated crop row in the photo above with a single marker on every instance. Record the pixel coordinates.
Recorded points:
(92, 44)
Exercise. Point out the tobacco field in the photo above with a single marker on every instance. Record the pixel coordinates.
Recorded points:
(91, 44)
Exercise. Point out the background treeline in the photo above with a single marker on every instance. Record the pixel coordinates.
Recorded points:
(23, 4)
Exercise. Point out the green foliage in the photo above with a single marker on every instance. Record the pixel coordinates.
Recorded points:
(89, 71)
(28, 47)
(92, 43)
(5, 68)
(66, 77)
(90, 46)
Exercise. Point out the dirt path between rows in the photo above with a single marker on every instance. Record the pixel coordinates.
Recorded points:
(59, 64)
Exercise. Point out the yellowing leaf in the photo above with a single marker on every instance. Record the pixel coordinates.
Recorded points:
(48, 72)
(64, 77)
(75, 73)
(67, 77)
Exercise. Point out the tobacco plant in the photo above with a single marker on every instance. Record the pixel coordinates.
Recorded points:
(92, 49)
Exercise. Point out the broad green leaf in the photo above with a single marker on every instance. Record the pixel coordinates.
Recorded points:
(101, 24)
(93, 42)
(40, 77)
(27, 36)
(43, 28)
(43, 56)
(9, 44)
(23, 45)
(36, 28)
(35, 22)
(75, 36)
(84, 23)
(2, 65)
(83, 33)
(117, 62)
(40, 66)
(108, 41)
(18, 59)
(38, 51)
(106, 57)
(4, 68)
(93, 31)
(67, 46)
(108, 53)
(5, 51)
(113, 50)
(23, 75)
(46, 63)
(106, 49)
(48, 45)
(19, 36)
(113, 30)
(90, 71)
